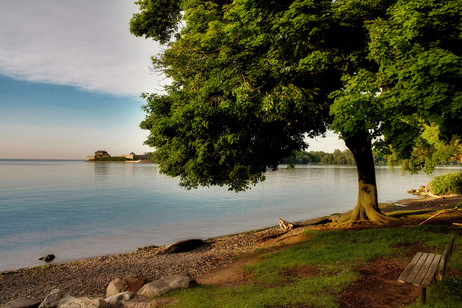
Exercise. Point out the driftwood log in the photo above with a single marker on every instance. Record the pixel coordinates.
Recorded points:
(285, 225)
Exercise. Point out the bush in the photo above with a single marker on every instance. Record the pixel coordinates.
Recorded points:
(450, 183)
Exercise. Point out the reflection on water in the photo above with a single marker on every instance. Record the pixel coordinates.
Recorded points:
(76, 210)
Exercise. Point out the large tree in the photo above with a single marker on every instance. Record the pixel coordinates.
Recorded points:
(252, 79)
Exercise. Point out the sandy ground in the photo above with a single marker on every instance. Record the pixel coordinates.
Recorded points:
(214, 263)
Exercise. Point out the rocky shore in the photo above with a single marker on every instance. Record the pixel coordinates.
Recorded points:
(91, 277)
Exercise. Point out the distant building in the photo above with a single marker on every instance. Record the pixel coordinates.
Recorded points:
(131, 156)
(99, 153)
(136, 157)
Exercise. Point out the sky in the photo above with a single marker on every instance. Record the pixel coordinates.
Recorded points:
(71, 76)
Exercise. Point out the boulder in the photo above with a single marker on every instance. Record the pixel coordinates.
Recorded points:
(120, 298)
(180, 281)
(127, 283)
(167, 284)
(58, 299)
(182, 246)
(130, 300)
(52, 299)
(134, 283)
(82, 302)
(116, 286)
(47, 258)
(155, 288)
(22, 303)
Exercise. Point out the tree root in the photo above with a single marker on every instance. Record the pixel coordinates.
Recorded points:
(360, 216)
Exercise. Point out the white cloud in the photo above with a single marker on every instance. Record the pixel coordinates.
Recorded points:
(80, 43)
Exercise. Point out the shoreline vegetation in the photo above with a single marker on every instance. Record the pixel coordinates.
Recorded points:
(91, 277)
(345, 157)
(337, 157)
(118, 159)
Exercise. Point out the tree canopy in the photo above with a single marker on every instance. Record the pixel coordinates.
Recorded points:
(252, 79)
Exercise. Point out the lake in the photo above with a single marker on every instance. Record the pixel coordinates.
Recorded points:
(77, 210)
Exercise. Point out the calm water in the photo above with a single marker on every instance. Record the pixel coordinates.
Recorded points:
(78, 210)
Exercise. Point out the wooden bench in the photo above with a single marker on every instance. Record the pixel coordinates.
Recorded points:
(422, 269)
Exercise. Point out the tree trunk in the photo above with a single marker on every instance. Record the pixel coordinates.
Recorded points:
(367, 208)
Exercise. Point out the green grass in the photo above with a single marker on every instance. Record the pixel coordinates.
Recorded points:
(334, 255)
(444, 294)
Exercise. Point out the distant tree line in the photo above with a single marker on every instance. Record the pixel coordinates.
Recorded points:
(319, 157)
(337, 158)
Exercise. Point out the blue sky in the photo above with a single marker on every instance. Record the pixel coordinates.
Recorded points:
(70, 79)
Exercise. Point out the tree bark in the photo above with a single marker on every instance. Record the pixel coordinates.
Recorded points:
(367, 208)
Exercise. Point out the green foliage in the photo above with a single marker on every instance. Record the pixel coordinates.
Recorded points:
(418, 50)
(319, 157)
(338, 157)
(450, 183)
(251, 79)
(158, 19)
(429, 151)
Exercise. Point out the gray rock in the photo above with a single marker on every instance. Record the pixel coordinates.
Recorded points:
(136, 301)
(116, 286)
(52, 299)
(180, 281)
(22, 303)
(58, 299)
(155, 288)
(120, 298)
(82, 302)
(167, 284)
(182, 246)
(47, 258)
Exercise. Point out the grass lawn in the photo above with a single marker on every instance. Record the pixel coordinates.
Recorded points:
(328, 269)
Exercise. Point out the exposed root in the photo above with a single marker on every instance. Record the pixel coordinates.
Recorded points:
(365, 216)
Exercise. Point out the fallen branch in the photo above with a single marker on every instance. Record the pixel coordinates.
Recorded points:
(439, 213)
(285, 225)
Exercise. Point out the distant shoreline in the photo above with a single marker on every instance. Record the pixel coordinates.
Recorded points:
(42, 159)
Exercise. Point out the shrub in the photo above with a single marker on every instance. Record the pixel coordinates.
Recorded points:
(450, 183)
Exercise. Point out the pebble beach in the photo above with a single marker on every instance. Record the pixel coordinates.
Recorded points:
(91, 277)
